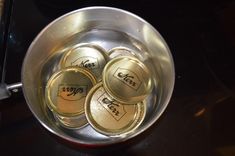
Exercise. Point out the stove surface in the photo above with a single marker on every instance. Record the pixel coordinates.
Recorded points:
(200, 117)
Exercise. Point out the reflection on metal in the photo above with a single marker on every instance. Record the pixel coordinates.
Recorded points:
(200, 112)
(1, 8)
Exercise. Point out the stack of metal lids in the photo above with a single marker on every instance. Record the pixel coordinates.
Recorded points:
(106, 90)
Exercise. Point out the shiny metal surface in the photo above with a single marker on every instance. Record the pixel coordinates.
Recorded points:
(127, 79)
(7, 90)
(1, 8)
(97, 25)
(67, 89)
(110, 117)
(120, 51)
(72, 122)
(14, 86)
(65, 95)
(87, 55)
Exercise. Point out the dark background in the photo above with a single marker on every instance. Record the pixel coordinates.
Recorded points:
(200, 118)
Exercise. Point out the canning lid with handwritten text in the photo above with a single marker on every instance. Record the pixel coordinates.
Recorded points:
(109, 117)
(127, 79)
(67, 89)
(86, 55)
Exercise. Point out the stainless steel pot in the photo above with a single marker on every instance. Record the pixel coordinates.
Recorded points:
(108, 27)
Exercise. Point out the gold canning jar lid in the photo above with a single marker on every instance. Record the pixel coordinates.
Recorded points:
(109, 117)
(73, 122)
(87, 55)
(67, 89)
(127, 79)
(120, 51)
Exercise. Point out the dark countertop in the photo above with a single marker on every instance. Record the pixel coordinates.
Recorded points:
(200, 117)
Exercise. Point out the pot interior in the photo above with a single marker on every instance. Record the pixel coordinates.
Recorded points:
(108, 28)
